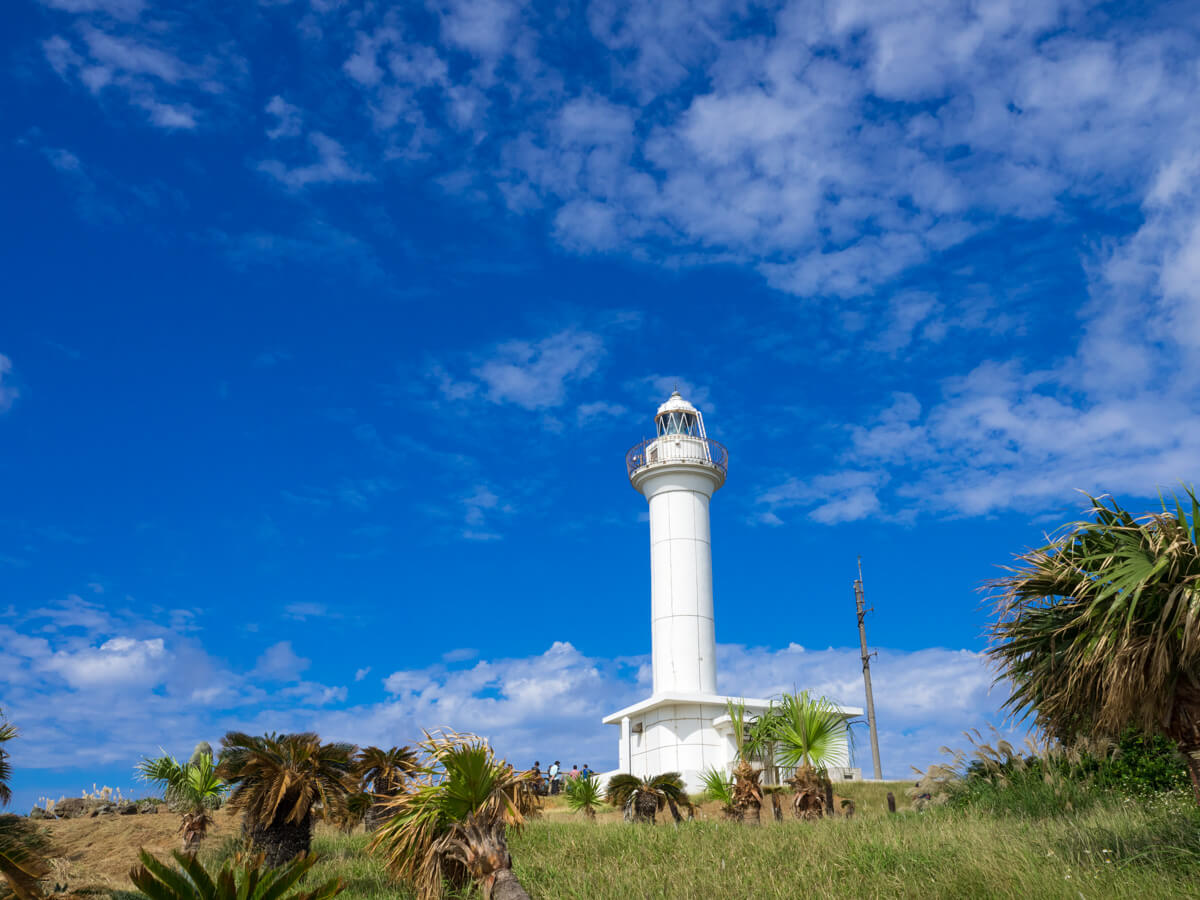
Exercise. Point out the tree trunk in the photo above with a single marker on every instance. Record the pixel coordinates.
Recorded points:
(777, 807)
(507, 887)
(674, 810)
(645, 806)
(1191, 757)
(282, 841)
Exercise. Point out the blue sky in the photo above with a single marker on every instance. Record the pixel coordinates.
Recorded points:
(326, 326)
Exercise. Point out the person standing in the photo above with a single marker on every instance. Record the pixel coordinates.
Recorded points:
(554, 778)
(574, 773)
(587, 771)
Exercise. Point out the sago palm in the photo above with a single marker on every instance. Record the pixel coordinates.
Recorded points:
(1100, 628)
(238, 879)
(447, 829)
(646, 797)
(192, 788)
(23, 846)
(584, 795)
(281, 782)
(381, 775)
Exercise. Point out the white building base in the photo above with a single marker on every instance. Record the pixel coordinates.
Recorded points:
(675, 732)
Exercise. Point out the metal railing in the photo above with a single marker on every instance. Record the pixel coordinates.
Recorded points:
(677, 448)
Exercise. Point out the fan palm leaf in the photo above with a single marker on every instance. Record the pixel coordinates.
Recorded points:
(1099, 629)
(809, 731)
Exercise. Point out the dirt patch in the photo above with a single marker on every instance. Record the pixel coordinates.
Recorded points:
(97, 854)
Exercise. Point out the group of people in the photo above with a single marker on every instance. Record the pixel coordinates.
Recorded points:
(552, 781)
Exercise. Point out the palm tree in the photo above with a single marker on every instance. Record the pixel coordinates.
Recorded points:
(647, 796)
(236, 880)
(448, 828)
(1100, 628)
(809, 735)
(191, 788)
(584, 795)
(281, 782)
(747, 793)
(23, 846)
(382, 773)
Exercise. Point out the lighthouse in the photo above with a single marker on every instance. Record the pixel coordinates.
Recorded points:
(684, 725)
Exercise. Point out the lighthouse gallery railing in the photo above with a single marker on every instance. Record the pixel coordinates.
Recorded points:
(677, 448)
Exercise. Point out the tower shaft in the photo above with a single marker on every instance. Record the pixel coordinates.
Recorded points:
(683, 635)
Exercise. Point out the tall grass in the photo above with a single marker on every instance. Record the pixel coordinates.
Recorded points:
(1114, 848)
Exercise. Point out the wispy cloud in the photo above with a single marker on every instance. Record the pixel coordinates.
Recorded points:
(8, 391)
(330, 167)
(532, 374)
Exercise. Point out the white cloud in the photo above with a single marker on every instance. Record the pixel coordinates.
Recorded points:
(535, 375)
(280, 662)
(306, 610)
(93, 700)
(8, 392)
(288, 118)
(331, 166)
(118, 9)
(148, 65)
(117, 661)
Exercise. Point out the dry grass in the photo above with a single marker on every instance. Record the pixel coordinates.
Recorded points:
(93, 855)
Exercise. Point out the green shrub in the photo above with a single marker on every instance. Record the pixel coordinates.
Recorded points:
(1140, 765)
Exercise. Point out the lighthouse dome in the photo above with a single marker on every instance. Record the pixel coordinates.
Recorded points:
(676, 403)
(677, 416)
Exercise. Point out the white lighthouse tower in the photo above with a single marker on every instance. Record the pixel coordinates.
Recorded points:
(683, 726)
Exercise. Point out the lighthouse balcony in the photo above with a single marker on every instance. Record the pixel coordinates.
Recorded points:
(677, 448)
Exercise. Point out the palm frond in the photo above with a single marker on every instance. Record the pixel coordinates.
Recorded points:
(1100, 627)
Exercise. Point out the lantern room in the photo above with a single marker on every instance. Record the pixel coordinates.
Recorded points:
(678, 417)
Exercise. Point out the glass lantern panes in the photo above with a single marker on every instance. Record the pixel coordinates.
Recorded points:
(678, 423)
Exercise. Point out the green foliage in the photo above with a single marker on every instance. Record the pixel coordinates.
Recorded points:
(807, 731)
(187, 787)
(718, 786)
(584, 795)
(236, 880)
(23, 850)
(23, 846)
(8, 731)
(286, 778)
(1049, 779)
(1141, 765)
(663, 788)
(384, 771)
(1098, 630)
(448, 828)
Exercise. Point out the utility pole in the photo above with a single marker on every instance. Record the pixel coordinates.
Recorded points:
(860, 601)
